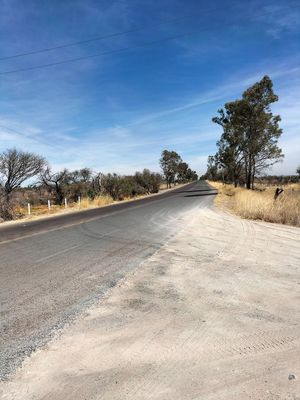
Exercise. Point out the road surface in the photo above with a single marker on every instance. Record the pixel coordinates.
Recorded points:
(212, 315)
(51, 270)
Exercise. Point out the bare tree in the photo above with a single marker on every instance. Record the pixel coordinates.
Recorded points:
(15, 168)
(56, 182)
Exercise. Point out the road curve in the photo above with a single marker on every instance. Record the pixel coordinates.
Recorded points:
(53, 269)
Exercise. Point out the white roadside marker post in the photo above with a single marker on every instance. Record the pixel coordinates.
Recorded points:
(29, 209)
(79, 201)
(66, 203)
(49, 205)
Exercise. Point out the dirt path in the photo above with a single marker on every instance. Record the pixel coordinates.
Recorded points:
(213, 315)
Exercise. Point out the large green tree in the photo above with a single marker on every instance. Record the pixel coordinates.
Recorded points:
(249, 143)
(169, 163)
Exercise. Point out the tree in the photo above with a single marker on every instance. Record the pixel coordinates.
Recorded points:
(56, 182)
(185, 173)
(83, 175)
(112, 185)
(229, 158)
(15, 168)
(81, 183)
(191, 175)
(298, 171)
(182, 171)
(169, 162)
(212, 168)
(150, 181)
(250, 133)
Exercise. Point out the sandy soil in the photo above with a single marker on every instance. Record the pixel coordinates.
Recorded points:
(214, 315)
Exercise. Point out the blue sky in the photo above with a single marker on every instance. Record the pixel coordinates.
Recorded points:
(118, 112)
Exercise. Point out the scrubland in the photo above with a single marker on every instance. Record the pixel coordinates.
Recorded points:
(85, 203)
(259, 204)
(42, 210)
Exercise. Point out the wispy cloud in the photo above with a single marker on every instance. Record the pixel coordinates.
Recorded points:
(119, 113)
(279, 18)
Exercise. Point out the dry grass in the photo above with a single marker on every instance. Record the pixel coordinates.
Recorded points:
(98, 201)
(260, 204)
(21, 212)
(85, 203)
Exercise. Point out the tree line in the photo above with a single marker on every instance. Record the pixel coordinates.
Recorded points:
(17, 167)
(249, 141)
(175, 169)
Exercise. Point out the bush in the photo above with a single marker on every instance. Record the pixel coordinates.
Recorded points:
(122, 187)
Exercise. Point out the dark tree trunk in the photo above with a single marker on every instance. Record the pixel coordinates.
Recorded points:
(253, 175)
(59, 196)
(248, 174)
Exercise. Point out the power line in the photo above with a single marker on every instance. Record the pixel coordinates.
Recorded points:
(111, 52)
(26, 136)
(96, 38)
(102, 37)
(105, 53)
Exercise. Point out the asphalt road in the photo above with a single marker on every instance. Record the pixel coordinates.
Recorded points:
(51, 270)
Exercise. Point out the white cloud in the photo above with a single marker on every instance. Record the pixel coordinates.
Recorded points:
(280, 18)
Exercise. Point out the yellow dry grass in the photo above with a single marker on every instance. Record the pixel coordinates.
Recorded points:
(98, 201)
(260, 204)
(85, 203)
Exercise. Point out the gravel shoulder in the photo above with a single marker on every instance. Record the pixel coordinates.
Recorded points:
(214, 314)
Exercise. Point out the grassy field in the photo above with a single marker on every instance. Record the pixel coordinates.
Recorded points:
(259, 204)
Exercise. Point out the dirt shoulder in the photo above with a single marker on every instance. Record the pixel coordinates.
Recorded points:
(214, 314)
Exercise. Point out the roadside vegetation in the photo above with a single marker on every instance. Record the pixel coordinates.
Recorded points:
(247, 148)
(249, 142)
(259, 204)
(52, 191)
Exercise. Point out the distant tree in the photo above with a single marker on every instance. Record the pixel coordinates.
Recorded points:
(182, 172)
(212, 168)
(83, 175)
(185, 173)
(298, 171)
(250, 133)
(112, 185)
(191, 175)
(96, 185)
(16, 167)
(56, 182)
(150, 181)
(81, 184)
(169, 162)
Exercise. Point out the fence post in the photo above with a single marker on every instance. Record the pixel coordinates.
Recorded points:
(66, 203)
(29, 209)
(49, 205)
(278, 191)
